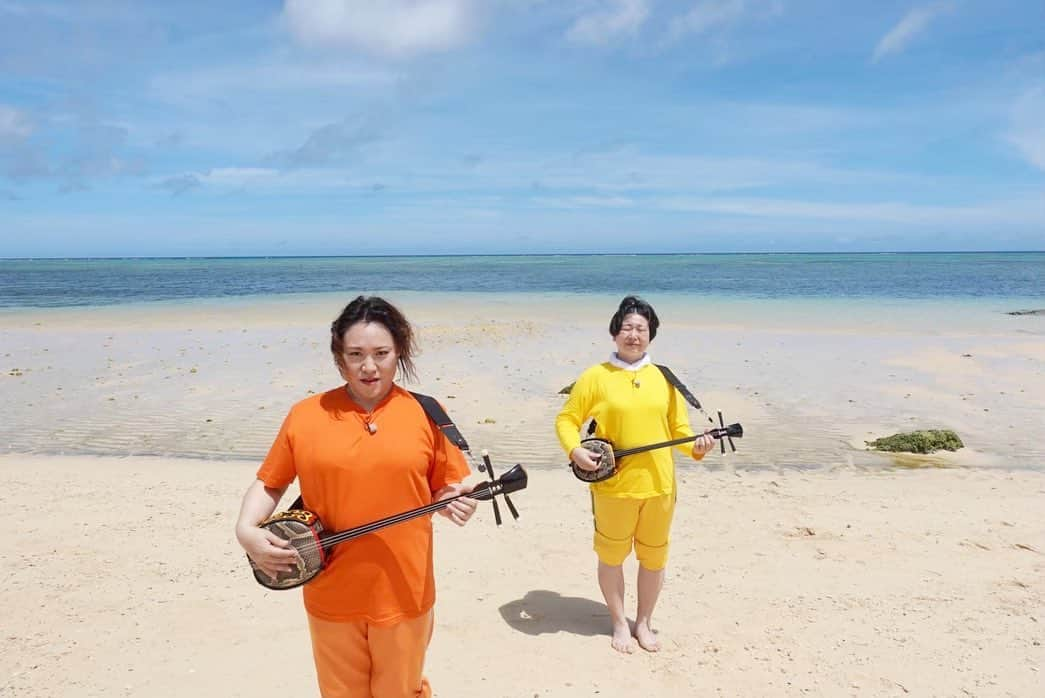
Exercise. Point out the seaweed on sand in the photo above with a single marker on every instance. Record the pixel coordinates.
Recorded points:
(923, 441)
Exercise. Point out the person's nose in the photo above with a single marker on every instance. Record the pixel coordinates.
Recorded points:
(369, 365)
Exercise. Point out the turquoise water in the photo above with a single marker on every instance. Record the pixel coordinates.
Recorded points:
(1014, 276)
(201, 357)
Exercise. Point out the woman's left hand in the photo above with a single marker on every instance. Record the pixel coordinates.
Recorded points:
(704, 443)
(459, 510)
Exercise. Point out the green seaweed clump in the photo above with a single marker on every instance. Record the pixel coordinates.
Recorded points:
(923, 441)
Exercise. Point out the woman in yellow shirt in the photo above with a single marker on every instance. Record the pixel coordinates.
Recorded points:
(633, 405)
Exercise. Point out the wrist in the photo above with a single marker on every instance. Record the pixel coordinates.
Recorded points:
(244, 530)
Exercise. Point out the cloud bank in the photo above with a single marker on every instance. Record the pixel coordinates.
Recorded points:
(907, 29)
(389, 28)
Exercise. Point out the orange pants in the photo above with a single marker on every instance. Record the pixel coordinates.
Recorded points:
(356, 659)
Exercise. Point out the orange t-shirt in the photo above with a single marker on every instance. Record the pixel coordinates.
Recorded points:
(351, 477)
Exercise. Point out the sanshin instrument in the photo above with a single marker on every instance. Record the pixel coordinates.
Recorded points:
(304, 531)
(607, 457)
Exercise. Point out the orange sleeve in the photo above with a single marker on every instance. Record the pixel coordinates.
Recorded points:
(278, 469)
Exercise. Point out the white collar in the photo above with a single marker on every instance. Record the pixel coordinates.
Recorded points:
(619, 363)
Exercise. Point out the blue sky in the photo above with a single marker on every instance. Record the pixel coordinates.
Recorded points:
(520, 126)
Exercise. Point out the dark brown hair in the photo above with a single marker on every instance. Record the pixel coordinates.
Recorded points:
(634, 304)
(373, 309)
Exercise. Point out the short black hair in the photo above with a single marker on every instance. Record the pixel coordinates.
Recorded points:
(375, 309)
(634, 304)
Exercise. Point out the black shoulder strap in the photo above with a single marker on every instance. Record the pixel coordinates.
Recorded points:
(438, 415)
(673, 379)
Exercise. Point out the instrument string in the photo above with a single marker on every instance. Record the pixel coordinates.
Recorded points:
(714, 433)
(480, 493)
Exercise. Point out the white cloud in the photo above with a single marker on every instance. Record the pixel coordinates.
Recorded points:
(397, 28)
(1015, 211)
(615, 178)
(265, 179)
(180, 184)
(913, 24)
(1027, 131)
(709, 14)
(14, 124)
(583, 202)
(334, 143)
(220, 82)
(74, 12)
(39, 9)
(239, 176)
(705, 15)
(600, 26)
(249, 178)
(75, 148)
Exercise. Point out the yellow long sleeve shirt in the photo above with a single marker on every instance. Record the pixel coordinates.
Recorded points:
(631, 408)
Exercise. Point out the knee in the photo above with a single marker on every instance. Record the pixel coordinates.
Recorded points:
(652, 557)
(611, 551)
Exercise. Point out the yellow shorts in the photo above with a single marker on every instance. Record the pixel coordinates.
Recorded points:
(620, 521)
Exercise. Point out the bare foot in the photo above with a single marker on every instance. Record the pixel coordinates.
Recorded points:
(621, 640)
(646, 637)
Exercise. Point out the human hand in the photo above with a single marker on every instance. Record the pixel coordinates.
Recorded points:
(704, 443)
(459, 510)
(270, 553)
(585, 459)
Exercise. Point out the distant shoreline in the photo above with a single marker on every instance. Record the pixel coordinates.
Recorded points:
(1011, 277)
(440, 255)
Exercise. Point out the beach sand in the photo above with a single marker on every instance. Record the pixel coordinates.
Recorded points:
(123, 579)
(802, 565)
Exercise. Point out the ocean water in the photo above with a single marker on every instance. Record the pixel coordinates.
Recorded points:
(50, 283)
(812, 352)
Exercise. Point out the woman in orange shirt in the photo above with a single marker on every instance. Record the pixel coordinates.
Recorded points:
(361, 452)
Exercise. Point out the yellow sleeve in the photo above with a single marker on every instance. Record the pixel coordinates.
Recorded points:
(678, 420)
(574, 413)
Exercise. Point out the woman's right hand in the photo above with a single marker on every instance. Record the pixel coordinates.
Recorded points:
(585, 459)
(269, 552)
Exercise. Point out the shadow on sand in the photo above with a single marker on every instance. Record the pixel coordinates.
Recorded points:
(542, 612)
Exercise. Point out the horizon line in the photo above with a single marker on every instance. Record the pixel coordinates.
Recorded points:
(505, 254)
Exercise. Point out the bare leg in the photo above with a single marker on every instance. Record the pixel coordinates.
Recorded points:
(611, 581)
(650, 583)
